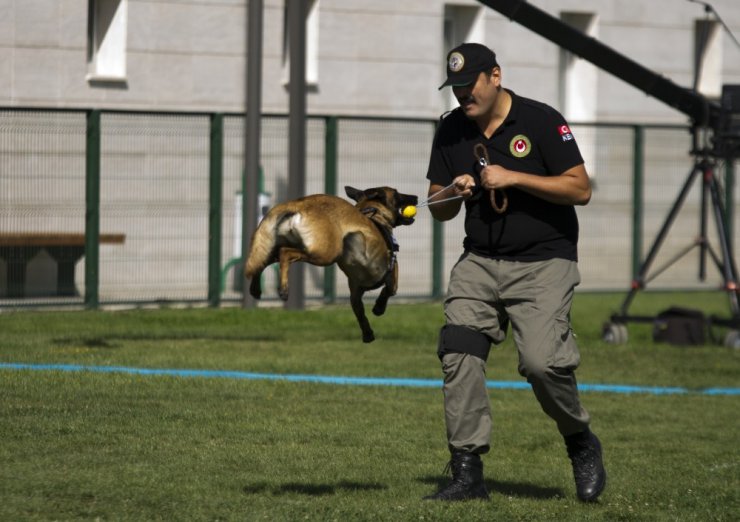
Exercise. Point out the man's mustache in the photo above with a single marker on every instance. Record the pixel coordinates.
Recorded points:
(466, 99)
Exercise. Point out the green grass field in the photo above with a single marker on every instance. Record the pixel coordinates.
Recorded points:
(116, 446)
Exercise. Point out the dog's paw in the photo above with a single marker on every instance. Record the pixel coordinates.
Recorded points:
(368, 337)
(255, 290)
(379, 309)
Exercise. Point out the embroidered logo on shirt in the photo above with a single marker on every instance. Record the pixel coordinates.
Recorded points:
(565, 133)
(456, 62)
(519, 146)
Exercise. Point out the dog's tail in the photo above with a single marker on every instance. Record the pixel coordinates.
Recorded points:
(262, 250)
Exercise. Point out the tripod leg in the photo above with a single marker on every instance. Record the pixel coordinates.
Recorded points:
(707, 174)
(639, 283)
(729, 268)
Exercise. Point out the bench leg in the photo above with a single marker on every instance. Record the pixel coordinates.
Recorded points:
(66, 258)
(16, 279)
(17, 259)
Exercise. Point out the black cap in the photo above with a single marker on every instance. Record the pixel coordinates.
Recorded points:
(465, 62)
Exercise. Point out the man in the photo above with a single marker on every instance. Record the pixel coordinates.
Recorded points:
(515, 164)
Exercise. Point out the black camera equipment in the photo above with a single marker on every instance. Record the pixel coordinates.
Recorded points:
(728, 132)
(715, 133)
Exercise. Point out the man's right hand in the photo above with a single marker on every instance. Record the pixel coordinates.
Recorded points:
(464, 185)
(462, 188)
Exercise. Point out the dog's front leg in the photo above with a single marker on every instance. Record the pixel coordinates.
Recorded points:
(287, 257)
(388, 291)
(382, 301)
(355, 299)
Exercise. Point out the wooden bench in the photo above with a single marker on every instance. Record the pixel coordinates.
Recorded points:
(18, 248)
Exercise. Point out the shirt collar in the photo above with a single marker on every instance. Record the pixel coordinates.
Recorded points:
(513, 110)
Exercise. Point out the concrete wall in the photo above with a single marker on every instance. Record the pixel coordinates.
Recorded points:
(384, 57)
(375, 58)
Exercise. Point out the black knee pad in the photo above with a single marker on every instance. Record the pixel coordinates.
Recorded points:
(460, 339)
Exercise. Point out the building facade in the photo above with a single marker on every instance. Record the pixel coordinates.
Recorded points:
(160, 69)
(379, 58)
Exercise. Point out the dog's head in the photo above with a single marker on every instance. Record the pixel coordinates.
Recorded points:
(388, 197)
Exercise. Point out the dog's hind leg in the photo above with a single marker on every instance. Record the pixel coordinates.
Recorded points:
(287, 257)
(255, 286)
(355, 299)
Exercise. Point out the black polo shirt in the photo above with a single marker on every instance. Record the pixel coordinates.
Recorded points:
(534, 138)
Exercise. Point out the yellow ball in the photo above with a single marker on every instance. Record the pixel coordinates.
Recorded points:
(409, 211)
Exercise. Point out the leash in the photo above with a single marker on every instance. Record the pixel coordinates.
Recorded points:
(481, 154)
(428, 201)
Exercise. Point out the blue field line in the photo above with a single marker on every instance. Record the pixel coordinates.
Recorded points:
(354, 381)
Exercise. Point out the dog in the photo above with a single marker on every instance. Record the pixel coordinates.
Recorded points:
(322, 230)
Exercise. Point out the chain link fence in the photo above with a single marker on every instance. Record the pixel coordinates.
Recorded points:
(155, 202)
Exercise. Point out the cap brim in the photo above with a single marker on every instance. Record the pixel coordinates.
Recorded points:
(461, 80)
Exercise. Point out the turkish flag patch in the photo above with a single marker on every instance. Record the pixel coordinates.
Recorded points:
(565, 133)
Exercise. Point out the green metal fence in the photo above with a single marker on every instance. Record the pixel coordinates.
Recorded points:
(145, 207)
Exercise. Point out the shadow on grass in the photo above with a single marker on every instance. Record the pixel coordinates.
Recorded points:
(312, 490)
(509, 489)
(113, 341)
(349, 335)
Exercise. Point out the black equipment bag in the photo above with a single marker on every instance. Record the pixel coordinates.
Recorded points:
(681, 326)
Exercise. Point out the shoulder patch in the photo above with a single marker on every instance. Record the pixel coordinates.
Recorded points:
(565, 133)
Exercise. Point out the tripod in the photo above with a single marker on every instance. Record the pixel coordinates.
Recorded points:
(704, 167)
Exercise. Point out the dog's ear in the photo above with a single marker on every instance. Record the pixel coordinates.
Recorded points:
(354, 193)
(377, 194)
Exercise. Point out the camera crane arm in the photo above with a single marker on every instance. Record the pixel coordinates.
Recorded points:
(702, 111)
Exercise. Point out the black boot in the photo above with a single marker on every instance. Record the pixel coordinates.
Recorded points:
(467, 479)
(584, 450)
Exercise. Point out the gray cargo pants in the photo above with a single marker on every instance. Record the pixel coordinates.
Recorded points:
(484, 295)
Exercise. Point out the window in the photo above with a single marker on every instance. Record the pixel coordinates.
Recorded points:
(106, 40)
(462, 24)
(578, 88)
(708, 58)
(577, 77)
(312, 44)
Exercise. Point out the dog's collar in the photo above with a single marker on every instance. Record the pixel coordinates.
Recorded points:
(370, 212)
(390, 242)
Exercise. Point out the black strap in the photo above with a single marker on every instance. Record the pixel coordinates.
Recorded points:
(390, 242)
(461, 339)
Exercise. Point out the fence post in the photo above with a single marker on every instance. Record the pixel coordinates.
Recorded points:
(215, 190)
(92, 208)
(638, 165)
(296, 25)
(330, 187)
